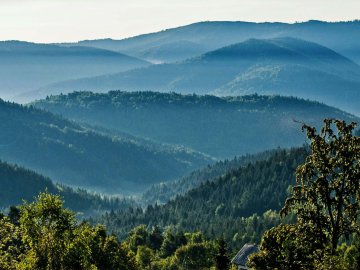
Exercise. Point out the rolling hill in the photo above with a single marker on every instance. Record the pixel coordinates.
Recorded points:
(201, 37)
(77, 156)
(222, 127)
(283, 66)
(26, 66)
(18, 184)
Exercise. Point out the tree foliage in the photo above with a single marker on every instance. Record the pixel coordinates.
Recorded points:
(175, 250)
(237, 203)
(326, 202)
(327, 195)
(47, 236)
(222, 260)
(10, 249)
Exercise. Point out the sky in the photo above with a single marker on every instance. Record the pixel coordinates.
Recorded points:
(72, 20)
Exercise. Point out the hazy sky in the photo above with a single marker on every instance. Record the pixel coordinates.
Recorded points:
(71, 20)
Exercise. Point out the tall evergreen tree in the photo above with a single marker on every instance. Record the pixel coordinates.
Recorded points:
(222, 260)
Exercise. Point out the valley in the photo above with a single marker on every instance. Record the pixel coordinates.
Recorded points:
(180, 149)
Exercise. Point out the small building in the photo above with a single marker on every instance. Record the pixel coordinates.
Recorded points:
(241, 257)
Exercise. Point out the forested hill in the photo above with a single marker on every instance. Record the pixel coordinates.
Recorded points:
(164, 192)
(225, 205)
(74, 155)
(18, 184)
(283, 66)
(223, 127)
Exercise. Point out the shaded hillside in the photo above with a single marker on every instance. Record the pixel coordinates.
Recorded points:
(26, 66)
(339, 36)
(77, 156)
(221, 127)
(164, 192)
(18, 184)
(229, 202)
(284, 66)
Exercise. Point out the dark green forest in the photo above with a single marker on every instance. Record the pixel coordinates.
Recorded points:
(163, 192)
(202, 228)
(240, 205)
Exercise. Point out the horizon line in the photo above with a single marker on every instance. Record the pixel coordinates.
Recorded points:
(184, 25)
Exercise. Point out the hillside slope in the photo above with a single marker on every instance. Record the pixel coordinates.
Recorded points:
(164, 192)
(283, 66)
(26, 66)
(78, 156)
(18, 184)
(220, 127)
(233, 202)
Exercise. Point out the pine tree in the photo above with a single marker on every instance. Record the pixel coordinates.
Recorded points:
(222, 260)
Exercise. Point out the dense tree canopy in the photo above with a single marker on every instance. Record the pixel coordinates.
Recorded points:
(44, 235)
(174, 250)
(237, 203)
(163, 192)
(222, 258)
(327, 194)
(47, 236)
(326, 202)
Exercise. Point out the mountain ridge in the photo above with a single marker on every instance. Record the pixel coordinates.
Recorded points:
(212, 71)
(215, 34)
(25, 66)
(208, 124)
(74, 155)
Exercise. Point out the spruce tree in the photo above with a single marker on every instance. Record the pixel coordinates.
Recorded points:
(222, 260)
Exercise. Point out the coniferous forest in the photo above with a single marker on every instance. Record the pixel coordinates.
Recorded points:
(45, 235)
